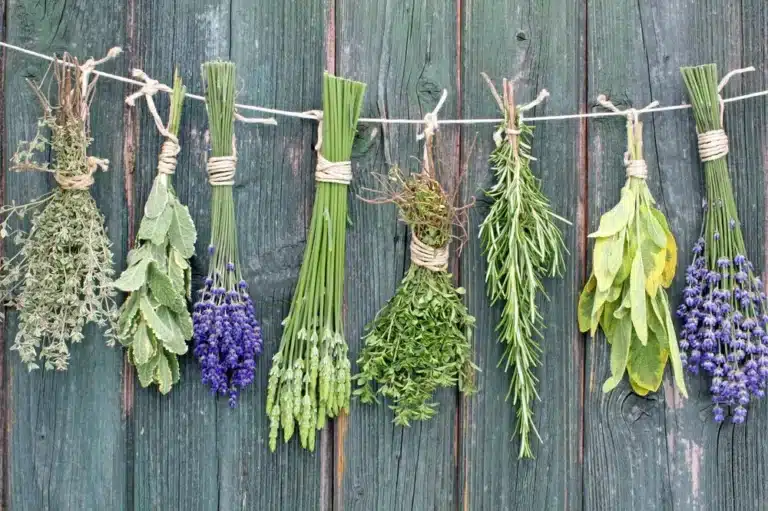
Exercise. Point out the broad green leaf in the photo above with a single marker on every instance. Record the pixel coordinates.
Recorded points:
(184, 321)
(586, 300)
(176, 271)
(637, 389)
(142, 346)
(128, 312)
(182, 234)
(625, 304)
(617, 218)
(154, 229)
(670, 261)
(597, 309)
(637, 299)
(175, 342)
(173, 363)
(133, 277)
(157, 200)
(655, 322)
(146, 371)
(163, 375)
(136, 254)
(608, 321)
(653, 265)
(620, 341)
(672, 346)
(651, 224)
(163, 290)
(162, 329)
(606, 259)
(646, 363)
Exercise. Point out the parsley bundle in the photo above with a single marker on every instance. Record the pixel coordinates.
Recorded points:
(633, 261)
(523, 244)
(227, 336)
(61, 277)
(154, 322)
(310, 376)
(422, 339)
(724, 308)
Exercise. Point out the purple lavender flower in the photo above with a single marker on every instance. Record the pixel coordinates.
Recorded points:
(227, 338)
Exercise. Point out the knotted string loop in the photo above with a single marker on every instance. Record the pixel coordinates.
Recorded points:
(435, 259)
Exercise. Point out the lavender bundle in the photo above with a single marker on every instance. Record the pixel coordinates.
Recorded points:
(227, 336)
(154, 322)
(724, 309)
(310, 376)
(61, 277)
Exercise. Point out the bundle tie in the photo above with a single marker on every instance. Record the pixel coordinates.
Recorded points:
(82, 181)
(166, 162)
(149, 89)
(635, 168)
(221, 170)
(513, 115)
(435, 259)
(713, 144)
(326, 171)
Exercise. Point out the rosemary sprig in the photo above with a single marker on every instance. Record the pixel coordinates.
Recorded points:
(310, 376)
(522, 244)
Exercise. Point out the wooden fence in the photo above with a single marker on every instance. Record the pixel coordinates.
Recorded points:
(92, 439)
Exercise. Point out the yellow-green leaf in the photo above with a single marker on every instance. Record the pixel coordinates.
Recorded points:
(586, 300)
(646, 363)
(637, 389)
(620, 341)
(617, 218)
(637, 299)
(607, 259)
(655, 229)
(670, 261)
(597, 309)
(671, 345)
(142, 347)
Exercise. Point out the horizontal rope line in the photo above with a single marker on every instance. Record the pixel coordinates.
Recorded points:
(371, 120)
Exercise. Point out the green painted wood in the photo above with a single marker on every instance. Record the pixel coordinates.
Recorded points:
(67, 436)
(665, 452)
(227, 464)
(537, 53)
(406, 52)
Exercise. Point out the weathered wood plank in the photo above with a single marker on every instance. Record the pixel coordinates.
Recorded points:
(674, 454)
(541, 49)
(406, 52)
(228, 464)
(66, 432)
(5, 381)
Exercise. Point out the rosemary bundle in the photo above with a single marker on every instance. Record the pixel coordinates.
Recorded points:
(310, 376)
(523, 244)
(724, 309)
(421, 340)
(61, 276)
(227, 336)
(154, 322)
(633, 262)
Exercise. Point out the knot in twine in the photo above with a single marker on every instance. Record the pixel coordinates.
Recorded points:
(326, 171)
(713, 144)
(82, 181)
(431, 124)
(635, 167)
(435, 259)
(149, 89)
(166, 162)
(513, 115)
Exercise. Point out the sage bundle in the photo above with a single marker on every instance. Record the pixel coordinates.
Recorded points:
(422, 339)
(724, 309)
(227, 336)
(154, 322)
(309, 381)
(60, 278)
(522, 244)
(633, 262)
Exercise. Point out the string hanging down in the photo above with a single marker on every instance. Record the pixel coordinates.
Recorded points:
(371, 120)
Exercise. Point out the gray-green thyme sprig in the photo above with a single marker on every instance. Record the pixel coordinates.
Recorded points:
(154, 322)
(522, 244)
(61, 275)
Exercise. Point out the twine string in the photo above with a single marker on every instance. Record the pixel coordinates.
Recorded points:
(326, 171)
(82, 181)
(221, 170)
(435, 259)
(713, 144)
(634, 167)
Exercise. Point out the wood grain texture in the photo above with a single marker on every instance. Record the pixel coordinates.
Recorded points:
(406, 53)
(538, 53)
(64, 425)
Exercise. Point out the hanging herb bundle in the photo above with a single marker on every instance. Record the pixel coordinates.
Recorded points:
(523, 244)
(724, 309)
(227, 336)
(61, 276)
(634, 260)
(154, 322)
(310, 376)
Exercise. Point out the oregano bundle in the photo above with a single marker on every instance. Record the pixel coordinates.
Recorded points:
(154, 322)
(60, 279)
